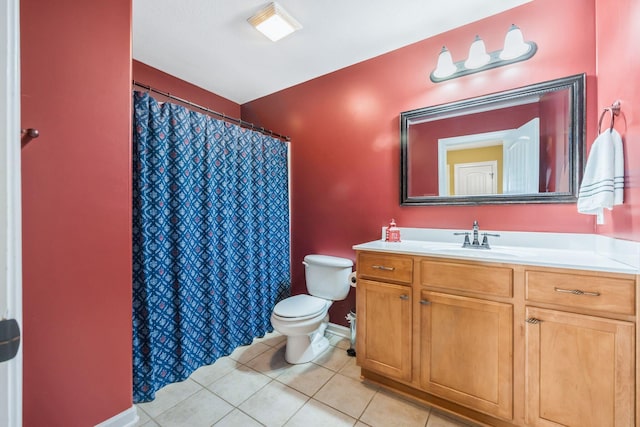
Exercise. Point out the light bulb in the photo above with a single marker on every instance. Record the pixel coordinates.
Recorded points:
(478, 55)
(445, 66)
(514, 45)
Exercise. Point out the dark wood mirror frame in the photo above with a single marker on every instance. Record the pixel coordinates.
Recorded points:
(574, 142)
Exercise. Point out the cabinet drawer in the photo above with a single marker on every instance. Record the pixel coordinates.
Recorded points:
(390, 268)
(480, 279)
(594, 292)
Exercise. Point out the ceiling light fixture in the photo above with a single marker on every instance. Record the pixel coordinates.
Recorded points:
(515, 50)
(274, 22)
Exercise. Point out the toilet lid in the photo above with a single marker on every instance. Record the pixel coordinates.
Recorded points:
(299, 306)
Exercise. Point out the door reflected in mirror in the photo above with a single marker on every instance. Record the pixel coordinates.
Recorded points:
(501, 162)
(520, 146)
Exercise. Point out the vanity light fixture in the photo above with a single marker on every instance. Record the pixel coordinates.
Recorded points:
(515, 50)
(274, 22)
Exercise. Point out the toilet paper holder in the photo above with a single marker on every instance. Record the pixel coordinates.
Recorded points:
(353, 279)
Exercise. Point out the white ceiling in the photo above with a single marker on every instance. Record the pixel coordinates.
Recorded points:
(210, 43)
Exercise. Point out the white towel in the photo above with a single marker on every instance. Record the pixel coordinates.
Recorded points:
(603, 182)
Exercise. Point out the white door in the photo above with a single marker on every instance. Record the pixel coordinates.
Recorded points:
(521, 159)
(475, 178)
(10, 221)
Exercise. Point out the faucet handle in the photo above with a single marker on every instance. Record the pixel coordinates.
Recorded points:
(466, 234)
(485, 239)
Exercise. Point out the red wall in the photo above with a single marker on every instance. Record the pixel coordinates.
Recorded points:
(76, 90)
(149, 76)
(345, 169)
(618, 60)
(344, 130)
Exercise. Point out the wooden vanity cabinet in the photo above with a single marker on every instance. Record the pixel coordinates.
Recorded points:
(466, 336)
(384, 309)
(502, 344)
(384, 318)
(579, 367)
(579, 370)
(466, 351)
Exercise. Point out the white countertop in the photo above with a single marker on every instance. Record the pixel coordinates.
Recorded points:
(561, 250)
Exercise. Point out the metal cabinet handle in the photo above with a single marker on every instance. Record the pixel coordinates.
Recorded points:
(425, 302)
(404, 297)
(577, 292)
(533, 320)
(383, 267)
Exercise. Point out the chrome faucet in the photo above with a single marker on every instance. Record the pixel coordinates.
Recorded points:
(476, 229)
(475, 244)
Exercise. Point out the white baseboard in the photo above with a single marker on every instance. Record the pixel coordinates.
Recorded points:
(339, 330)
(127, 418)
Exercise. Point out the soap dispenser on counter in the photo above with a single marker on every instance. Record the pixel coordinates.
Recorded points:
(392, 233)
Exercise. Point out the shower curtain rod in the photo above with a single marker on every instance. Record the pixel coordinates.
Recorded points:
(224, 117)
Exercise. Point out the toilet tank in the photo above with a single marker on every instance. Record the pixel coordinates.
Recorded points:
(327, 276)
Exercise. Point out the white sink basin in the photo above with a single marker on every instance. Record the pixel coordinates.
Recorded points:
(496, 252)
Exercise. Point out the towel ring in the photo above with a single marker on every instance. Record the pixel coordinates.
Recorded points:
(614, 110)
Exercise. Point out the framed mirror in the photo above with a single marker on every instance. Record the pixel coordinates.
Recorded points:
(524, 145)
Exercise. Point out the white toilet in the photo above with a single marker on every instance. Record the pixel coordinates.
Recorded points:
(303, 318)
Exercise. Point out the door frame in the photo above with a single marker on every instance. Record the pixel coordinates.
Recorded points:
(10, 204)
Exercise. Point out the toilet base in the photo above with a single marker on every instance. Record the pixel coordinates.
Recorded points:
(305, 348)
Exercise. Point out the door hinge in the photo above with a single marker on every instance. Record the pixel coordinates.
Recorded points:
(9, 339)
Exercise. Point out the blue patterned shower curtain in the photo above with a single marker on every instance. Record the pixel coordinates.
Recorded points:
(210, 240)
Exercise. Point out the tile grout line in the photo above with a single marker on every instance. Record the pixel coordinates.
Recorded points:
(245, 365)
(335, 345)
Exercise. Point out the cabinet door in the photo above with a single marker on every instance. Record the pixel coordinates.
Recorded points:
(467, 351)
(384, 328)
(579, 370)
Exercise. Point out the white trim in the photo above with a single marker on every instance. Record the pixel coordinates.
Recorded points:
(127, 418)
(339, 330)
(11, 244)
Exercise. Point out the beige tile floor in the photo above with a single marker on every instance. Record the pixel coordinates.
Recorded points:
(254, 386)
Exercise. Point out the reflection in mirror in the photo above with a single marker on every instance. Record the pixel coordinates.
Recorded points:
(500, 162)
(520, 146)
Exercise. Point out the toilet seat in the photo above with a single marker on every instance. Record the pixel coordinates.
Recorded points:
(300, 307)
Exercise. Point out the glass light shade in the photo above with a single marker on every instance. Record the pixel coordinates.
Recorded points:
(275, 28)
(445, 66)
(514, 45)
(274, 22)
(478, 55)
